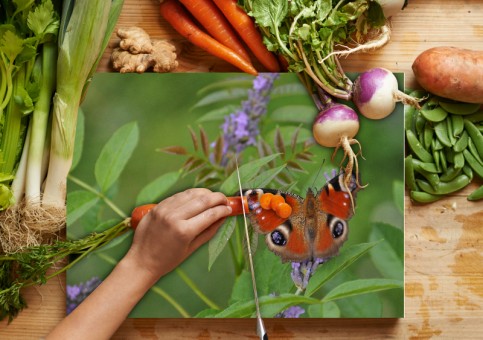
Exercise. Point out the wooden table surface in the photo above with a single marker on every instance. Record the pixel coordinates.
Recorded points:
(444, 240)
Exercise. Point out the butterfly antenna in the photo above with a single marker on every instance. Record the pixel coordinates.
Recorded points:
(260, 326)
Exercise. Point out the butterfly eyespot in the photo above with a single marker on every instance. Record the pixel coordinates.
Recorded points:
(338, 228)
(278, 238)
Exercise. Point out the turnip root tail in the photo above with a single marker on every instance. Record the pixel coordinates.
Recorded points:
(407, 99)
(345, 144)
(382, 39)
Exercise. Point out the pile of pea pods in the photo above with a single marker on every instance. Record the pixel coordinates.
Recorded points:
(444, 148)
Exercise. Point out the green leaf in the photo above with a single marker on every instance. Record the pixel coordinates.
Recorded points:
(398, 194)
(264, 178)
(155, 190)
(11, 45)
(269, 306)
(273, 277)
(115, 155)
(288, 131)
(361, 286)
(324, 310)
(79, 139)
(220, 240)
(388, 256)
(42, 21)
(248, 171)
(294, 113)
(234, 94)
(241, 81)
(217, 114)
(118, 241)
(78, 203)
(336, 265)
(269, 13)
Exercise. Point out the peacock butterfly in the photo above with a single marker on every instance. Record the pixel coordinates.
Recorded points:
(317, 226)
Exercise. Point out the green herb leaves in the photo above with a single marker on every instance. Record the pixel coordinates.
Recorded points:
(269, 13)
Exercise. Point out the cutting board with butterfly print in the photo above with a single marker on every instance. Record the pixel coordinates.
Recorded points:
(325, 221)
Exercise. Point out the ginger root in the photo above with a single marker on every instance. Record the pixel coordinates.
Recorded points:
(131, 55)
(135, 40)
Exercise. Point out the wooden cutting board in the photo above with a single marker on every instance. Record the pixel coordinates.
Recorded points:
(443, 241)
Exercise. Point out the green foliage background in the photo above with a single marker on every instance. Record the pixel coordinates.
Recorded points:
(160, 108)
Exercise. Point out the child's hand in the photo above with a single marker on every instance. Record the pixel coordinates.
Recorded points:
(175, 228)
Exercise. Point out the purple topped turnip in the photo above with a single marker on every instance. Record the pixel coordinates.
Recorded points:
(376, 93)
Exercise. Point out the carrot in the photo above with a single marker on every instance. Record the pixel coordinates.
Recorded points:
(179, 19)
(247, 30)
(138, 213)
(211, 18)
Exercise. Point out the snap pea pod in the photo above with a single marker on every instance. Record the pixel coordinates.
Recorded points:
(431, 177)
(461, 143)
(468, 171)
(474, 152)
(419, 123)
(476, 195)
(437, 160)
(475, 117)
(475, 135)
(458, 125)
(441, 130)
(409, 173)
(444, 188)
(473, 163)
(442, 161)
(417, 148)
(459, 108)
(409, 117)
(427, 135)
(459, 160)
(450, 174)
(435, 115)
(450, 131)
(436, 144)
(423, 197)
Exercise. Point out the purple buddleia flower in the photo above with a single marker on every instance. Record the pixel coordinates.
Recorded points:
(241, 127)
(302, 271)
(77, 293)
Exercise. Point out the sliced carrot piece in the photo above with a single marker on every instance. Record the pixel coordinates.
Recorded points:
(265, 200)
(283, 210)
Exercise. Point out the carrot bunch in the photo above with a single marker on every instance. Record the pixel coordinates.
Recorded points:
(221, 28)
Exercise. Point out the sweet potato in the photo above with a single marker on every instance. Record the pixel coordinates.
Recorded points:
(451, 72)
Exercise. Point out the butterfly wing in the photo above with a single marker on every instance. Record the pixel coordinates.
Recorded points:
(334, 207)
(285, 237)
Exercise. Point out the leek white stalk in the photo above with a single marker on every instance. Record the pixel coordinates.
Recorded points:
(79, 47)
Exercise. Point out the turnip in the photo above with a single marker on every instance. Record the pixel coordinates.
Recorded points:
(392, 7)
(336, 125)
(376, 93)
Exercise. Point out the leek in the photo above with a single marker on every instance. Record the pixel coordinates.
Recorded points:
(85, 28)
